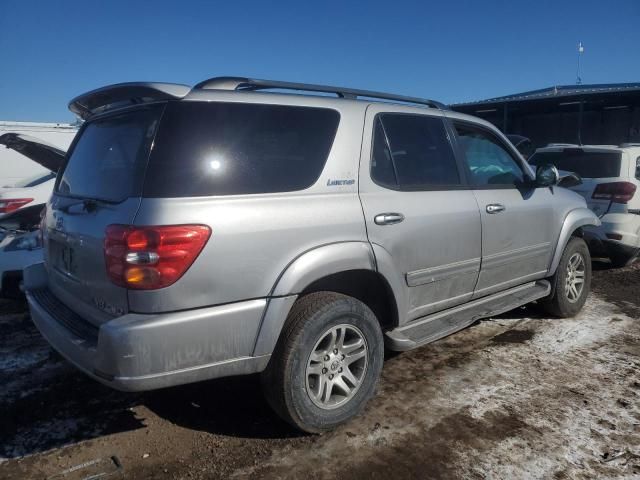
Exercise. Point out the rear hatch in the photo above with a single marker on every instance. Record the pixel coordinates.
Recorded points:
(39, 151)
(594, 166)
(99, 185)
(22, 193)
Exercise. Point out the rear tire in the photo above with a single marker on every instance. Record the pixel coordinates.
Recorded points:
(306, 382)
(571, 283)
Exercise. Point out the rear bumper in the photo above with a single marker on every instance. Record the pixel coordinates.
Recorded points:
(137, 352)
(625, 227)
(618, 235)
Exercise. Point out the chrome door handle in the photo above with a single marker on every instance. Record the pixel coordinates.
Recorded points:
(495, 208)
(388, 218)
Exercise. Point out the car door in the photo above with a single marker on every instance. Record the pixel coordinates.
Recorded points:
(517, 217)
(418, 211)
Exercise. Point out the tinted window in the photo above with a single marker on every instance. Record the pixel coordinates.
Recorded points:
(585, 164)
(108, 160)
(488, 160)
(412, 152)
(235, 148)
(638, 168)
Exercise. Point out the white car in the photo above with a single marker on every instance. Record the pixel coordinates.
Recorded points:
(35, 190)
(20, 212)
(17, 250)
(610, 183)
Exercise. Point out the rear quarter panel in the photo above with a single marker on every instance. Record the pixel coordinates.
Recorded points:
(255, 237)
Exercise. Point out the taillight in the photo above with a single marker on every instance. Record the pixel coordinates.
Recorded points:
(147, 258)
(8, 205)
(618, 192)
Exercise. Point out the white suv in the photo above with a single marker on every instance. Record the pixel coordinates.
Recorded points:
(610, 181)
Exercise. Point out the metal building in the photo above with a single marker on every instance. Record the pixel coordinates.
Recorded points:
(585, 114)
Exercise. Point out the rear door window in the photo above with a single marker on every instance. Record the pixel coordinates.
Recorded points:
(216, 148)
(585, 164)
(412, 152)
(108, 160)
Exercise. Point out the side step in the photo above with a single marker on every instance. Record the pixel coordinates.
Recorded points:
(438, 325)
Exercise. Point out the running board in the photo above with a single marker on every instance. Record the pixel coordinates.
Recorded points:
(438, 325)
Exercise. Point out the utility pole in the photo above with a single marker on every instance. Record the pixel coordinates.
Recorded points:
(580, 52)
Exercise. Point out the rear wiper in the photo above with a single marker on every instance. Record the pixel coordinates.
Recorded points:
(89, 205)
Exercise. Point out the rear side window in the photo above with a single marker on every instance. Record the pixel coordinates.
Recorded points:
(204, 149)
(638, 168)
(585, 164)
(107, 162)
(412, 152)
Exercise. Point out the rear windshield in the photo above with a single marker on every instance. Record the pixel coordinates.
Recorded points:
(585, 164)
(217, 148)
(108, 160)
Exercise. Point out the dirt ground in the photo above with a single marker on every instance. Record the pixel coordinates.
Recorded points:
(516, 396)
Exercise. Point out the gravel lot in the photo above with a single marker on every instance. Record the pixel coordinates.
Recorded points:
(516, 396)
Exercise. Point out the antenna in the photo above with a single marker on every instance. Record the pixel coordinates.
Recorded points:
(580, 52)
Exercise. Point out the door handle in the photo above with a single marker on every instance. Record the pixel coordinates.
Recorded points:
(388, 218)
(495, 208)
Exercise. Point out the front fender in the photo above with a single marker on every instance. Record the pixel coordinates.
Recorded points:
(575, 219)
(305, 269)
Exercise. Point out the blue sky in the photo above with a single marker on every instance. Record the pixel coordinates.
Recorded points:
(451, 51)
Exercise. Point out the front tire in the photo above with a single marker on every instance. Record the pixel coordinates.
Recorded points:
(571, 283)
(327, 362)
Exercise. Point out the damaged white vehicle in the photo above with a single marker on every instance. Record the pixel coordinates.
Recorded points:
(35, 190)
(21, 209)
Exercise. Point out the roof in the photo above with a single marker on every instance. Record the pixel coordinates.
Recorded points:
(121, 95)
(559, 146)
(560, 91)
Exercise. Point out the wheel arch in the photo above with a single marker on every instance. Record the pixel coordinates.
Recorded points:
(349, 268)
(571, 227)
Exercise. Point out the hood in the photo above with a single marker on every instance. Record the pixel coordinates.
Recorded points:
(39, 151)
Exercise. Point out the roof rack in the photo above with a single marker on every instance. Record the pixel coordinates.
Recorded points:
(251, 84)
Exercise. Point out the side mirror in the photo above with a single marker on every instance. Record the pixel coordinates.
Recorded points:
(570, 179)
(547, 175)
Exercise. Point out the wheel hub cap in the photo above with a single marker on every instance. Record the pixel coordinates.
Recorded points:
(575, 277)
(336, 366)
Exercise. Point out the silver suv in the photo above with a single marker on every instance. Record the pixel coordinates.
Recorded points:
(228, 229)
(610, 182)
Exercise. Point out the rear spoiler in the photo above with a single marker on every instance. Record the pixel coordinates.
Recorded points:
(124, 94)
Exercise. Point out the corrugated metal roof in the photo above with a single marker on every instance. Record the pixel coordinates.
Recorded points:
(559, 91)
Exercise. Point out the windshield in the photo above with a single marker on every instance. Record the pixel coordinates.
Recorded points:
(109, 158)
(585, 164)
(35, 180)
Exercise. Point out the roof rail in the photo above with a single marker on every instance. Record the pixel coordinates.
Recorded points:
(251, 84)
(629, 144)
